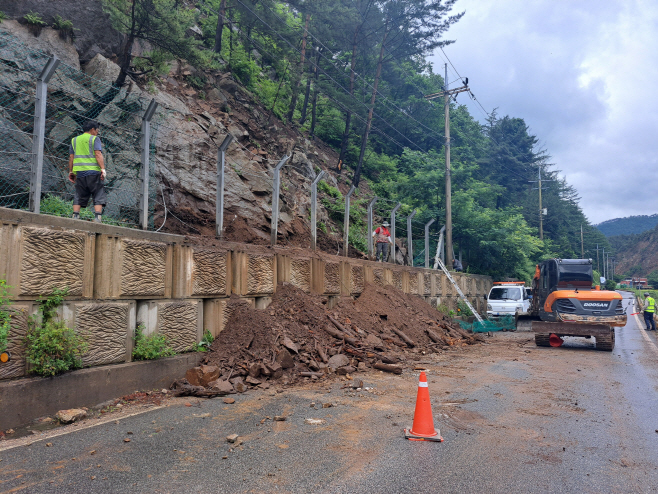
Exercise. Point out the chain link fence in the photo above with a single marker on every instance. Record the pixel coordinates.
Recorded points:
(73, 97)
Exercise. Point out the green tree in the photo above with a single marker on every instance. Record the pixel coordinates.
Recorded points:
(162, 23)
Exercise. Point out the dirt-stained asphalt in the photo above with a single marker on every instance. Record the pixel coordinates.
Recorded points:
(515, 418)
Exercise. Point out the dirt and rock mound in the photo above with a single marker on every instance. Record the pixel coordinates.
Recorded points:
(298, 337)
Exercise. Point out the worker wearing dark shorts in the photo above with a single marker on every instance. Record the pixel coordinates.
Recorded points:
(649, 311)
(87, 170)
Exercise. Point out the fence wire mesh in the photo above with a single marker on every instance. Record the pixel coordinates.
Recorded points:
(73, 97)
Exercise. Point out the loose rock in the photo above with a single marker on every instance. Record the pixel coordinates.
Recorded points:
(71, 415)
(221, 386)
(337, 361)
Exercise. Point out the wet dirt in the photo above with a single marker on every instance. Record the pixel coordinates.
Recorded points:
(254, 336)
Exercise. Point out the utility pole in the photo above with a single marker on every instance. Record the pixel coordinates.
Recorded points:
(582, 245)
(541, 209)
(598, 267)
(446, 93)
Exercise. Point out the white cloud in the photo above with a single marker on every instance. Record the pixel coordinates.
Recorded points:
(583, 77)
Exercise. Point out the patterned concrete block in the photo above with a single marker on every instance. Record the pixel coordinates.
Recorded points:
(331, 278)
(300, 274)
(181, 321)
(128, 268)
(210, 273)
(16, 367)
(413, 283)
(379, 276)
(106, 326)
(296, 271)
(253, 274)
(34, 261)
(426, 279)
(357, 279)
(397, 279)
(201, 272)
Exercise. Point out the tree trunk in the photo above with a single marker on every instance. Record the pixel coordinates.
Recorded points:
(364, 141)
(314, 104)
(220, 26)
(306, 96)
(230, 43)
(298, 75)
(126, 58)
(348, 116)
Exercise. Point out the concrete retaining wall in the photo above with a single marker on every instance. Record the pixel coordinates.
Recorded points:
(118, 277)
(22, 400)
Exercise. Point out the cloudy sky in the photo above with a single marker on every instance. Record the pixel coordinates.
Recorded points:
(584, 76)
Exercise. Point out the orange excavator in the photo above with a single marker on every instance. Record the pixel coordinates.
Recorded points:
(565, 304)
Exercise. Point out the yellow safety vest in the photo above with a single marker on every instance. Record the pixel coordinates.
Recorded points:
(652, 305)
(84, 158)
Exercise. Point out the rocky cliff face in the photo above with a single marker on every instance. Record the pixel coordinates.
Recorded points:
(644, 252)
(194, 123)
(93, 31)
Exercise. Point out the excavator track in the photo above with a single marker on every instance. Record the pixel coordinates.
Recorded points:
(605, 343)
(541, 339)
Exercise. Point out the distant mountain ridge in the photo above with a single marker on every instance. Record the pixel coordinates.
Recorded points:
(629, 225)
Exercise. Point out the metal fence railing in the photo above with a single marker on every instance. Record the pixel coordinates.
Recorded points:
(35, 136)
(43, 105)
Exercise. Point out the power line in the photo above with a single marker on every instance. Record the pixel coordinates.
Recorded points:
(328, 75)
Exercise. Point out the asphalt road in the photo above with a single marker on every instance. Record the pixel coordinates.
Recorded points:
(515, 418)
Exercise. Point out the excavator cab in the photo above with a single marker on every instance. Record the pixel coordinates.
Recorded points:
(564, 304)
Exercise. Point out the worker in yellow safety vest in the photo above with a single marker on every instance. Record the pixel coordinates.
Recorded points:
(649, 311)
(87, 170)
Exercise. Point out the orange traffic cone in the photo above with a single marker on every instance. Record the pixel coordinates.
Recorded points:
(423, 426)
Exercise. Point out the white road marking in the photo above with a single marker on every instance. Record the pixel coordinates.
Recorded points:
(29, 440)
(640, 325)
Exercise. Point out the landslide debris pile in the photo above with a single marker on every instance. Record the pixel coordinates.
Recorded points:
(297, 336)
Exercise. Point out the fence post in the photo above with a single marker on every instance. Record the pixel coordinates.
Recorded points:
(439, 249)
(371, 204)
(395, 209)
(38, 134)
(146, 154)
(346, 221)
(410, 246)
(314, 209)
(276, 186)
(427, 242)
(219, 200)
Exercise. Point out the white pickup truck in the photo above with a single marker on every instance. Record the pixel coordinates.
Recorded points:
(507, 299)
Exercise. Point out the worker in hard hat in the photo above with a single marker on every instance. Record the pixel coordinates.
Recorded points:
(382, 238)
(649, 311)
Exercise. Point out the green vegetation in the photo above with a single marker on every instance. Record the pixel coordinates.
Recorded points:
(50, 346)
(162, 23)
(205, 343)
(462, 309)
(34, 19)
(64, 27)
(34, 22)
(399, 149)
(151, 347)
(443, 308)
(629, 225)
(3, 16)
(5, 315)
(57, 206)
